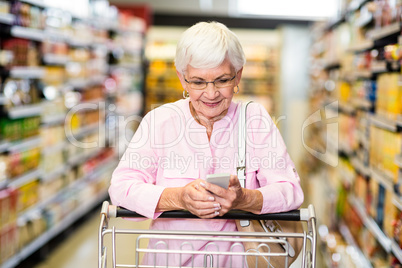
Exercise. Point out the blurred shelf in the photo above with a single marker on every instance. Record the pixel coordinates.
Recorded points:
(385, 31)
(24, 178)
(24, 111)
(362, 74)
(76, 214)
(371, 224)
(383, 179)
(361, 103)
(86, 130)
(7, 18)
(398, 160)
(354, 5)
(384, 123)
(53, 119)
(4, 145)
(360, 259)
(39, 3)
(83, 157)
(54, 59)
(360, 167)
(24, 145)
(28, 33)
(396, 250)
(49, 176)
(362, 46)
(399, 120)
(54, 148)
(27, 72)
(332, 65)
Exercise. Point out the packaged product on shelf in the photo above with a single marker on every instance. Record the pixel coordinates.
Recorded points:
(25, 52)
(49, 188)
(4, 7)
(389, 216)
(28, 195)
(4, 168)
(8, 242)
(374, 197)
(21, 162)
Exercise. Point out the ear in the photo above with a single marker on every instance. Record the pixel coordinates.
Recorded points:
(238, 76)
(181, 78)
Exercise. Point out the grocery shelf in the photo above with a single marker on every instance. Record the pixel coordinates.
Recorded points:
(24, 178)
(39, 3)
(54, 59)
(396, 250)
(361, 103)
(27, 72)
(398, 160)
(383, 179)
(84, 131)
(49, 176)
(24, 145)
(81, 158)
(4, 145)
(362, 46)
(371, 224)
(28, 33)
(356, 4)
(23, 111)
(54, 231)
(360, 259)
(360, 167)
(54, 148)
(383, 123)
(7, 18)
(385, 31)
(399, 120)
(53, 119)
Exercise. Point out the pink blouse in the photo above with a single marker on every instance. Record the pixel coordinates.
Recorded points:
(170, 149)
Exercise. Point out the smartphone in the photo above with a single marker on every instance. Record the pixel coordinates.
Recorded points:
(220, 179)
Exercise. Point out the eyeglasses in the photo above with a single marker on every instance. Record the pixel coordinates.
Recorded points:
(218, 83)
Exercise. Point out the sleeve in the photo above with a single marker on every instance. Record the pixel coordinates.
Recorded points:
(133, 181)
(276, 173)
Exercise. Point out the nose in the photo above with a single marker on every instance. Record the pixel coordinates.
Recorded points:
(211, 91)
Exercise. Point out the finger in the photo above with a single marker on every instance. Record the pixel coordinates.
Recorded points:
(234, 181)
(199, 193)
(213, 188)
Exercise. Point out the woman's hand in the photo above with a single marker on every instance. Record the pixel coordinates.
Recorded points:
(192, 197)
(199, 201)
(235, 197)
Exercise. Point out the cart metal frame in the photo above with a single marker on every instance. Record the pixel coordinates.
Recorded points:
(264, 239)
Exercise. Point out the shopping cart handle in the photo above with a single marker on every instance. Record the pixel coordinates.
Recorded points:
(293, 215)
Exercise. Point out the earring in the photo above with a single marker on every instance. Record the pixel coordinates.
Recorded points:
(235, 92)
(185, 96)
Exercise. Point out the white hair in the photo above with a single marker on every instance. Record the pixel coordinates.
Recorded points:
(206, 45)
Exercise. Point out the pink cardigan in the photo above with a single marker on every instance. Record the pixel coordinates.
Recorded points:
(170, 149)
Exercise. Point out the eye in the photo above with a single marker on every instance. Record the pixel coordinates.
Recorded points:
(222, 81)
(197, 83)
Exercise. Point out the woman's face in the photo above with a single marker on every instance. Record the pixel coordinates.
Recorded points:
(211, 102)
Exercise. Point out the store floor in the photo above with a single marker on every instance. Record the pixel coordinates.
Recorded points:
(80, 248)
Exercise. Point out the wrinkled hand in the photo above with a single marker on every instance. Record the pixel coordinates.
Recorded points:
(199, 201)
(227, 198)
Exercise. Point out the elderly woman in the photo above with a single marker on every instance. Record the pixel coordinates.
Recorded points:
(178, 144)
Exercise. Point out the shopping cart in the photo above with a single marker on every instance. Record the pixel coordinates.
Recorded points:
(308, 252)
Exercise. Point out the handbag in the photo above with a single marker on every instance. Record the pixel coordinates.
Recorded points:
(271, 226)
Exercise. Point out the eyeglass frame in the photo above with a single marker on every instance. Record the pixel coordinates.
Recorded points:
(207, 82)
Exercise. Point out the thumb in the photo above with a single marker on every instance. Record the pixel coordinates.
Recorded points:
(234, 181)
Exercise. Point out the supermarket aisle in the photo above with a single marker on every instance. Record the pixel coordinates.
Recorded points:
(80, 248)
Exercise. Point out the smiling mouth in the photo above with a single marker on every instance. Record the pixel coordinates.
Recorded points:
(212, 104)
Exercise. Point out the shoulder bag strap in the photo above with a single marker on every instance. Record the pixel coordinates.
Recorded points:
(241, 154)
